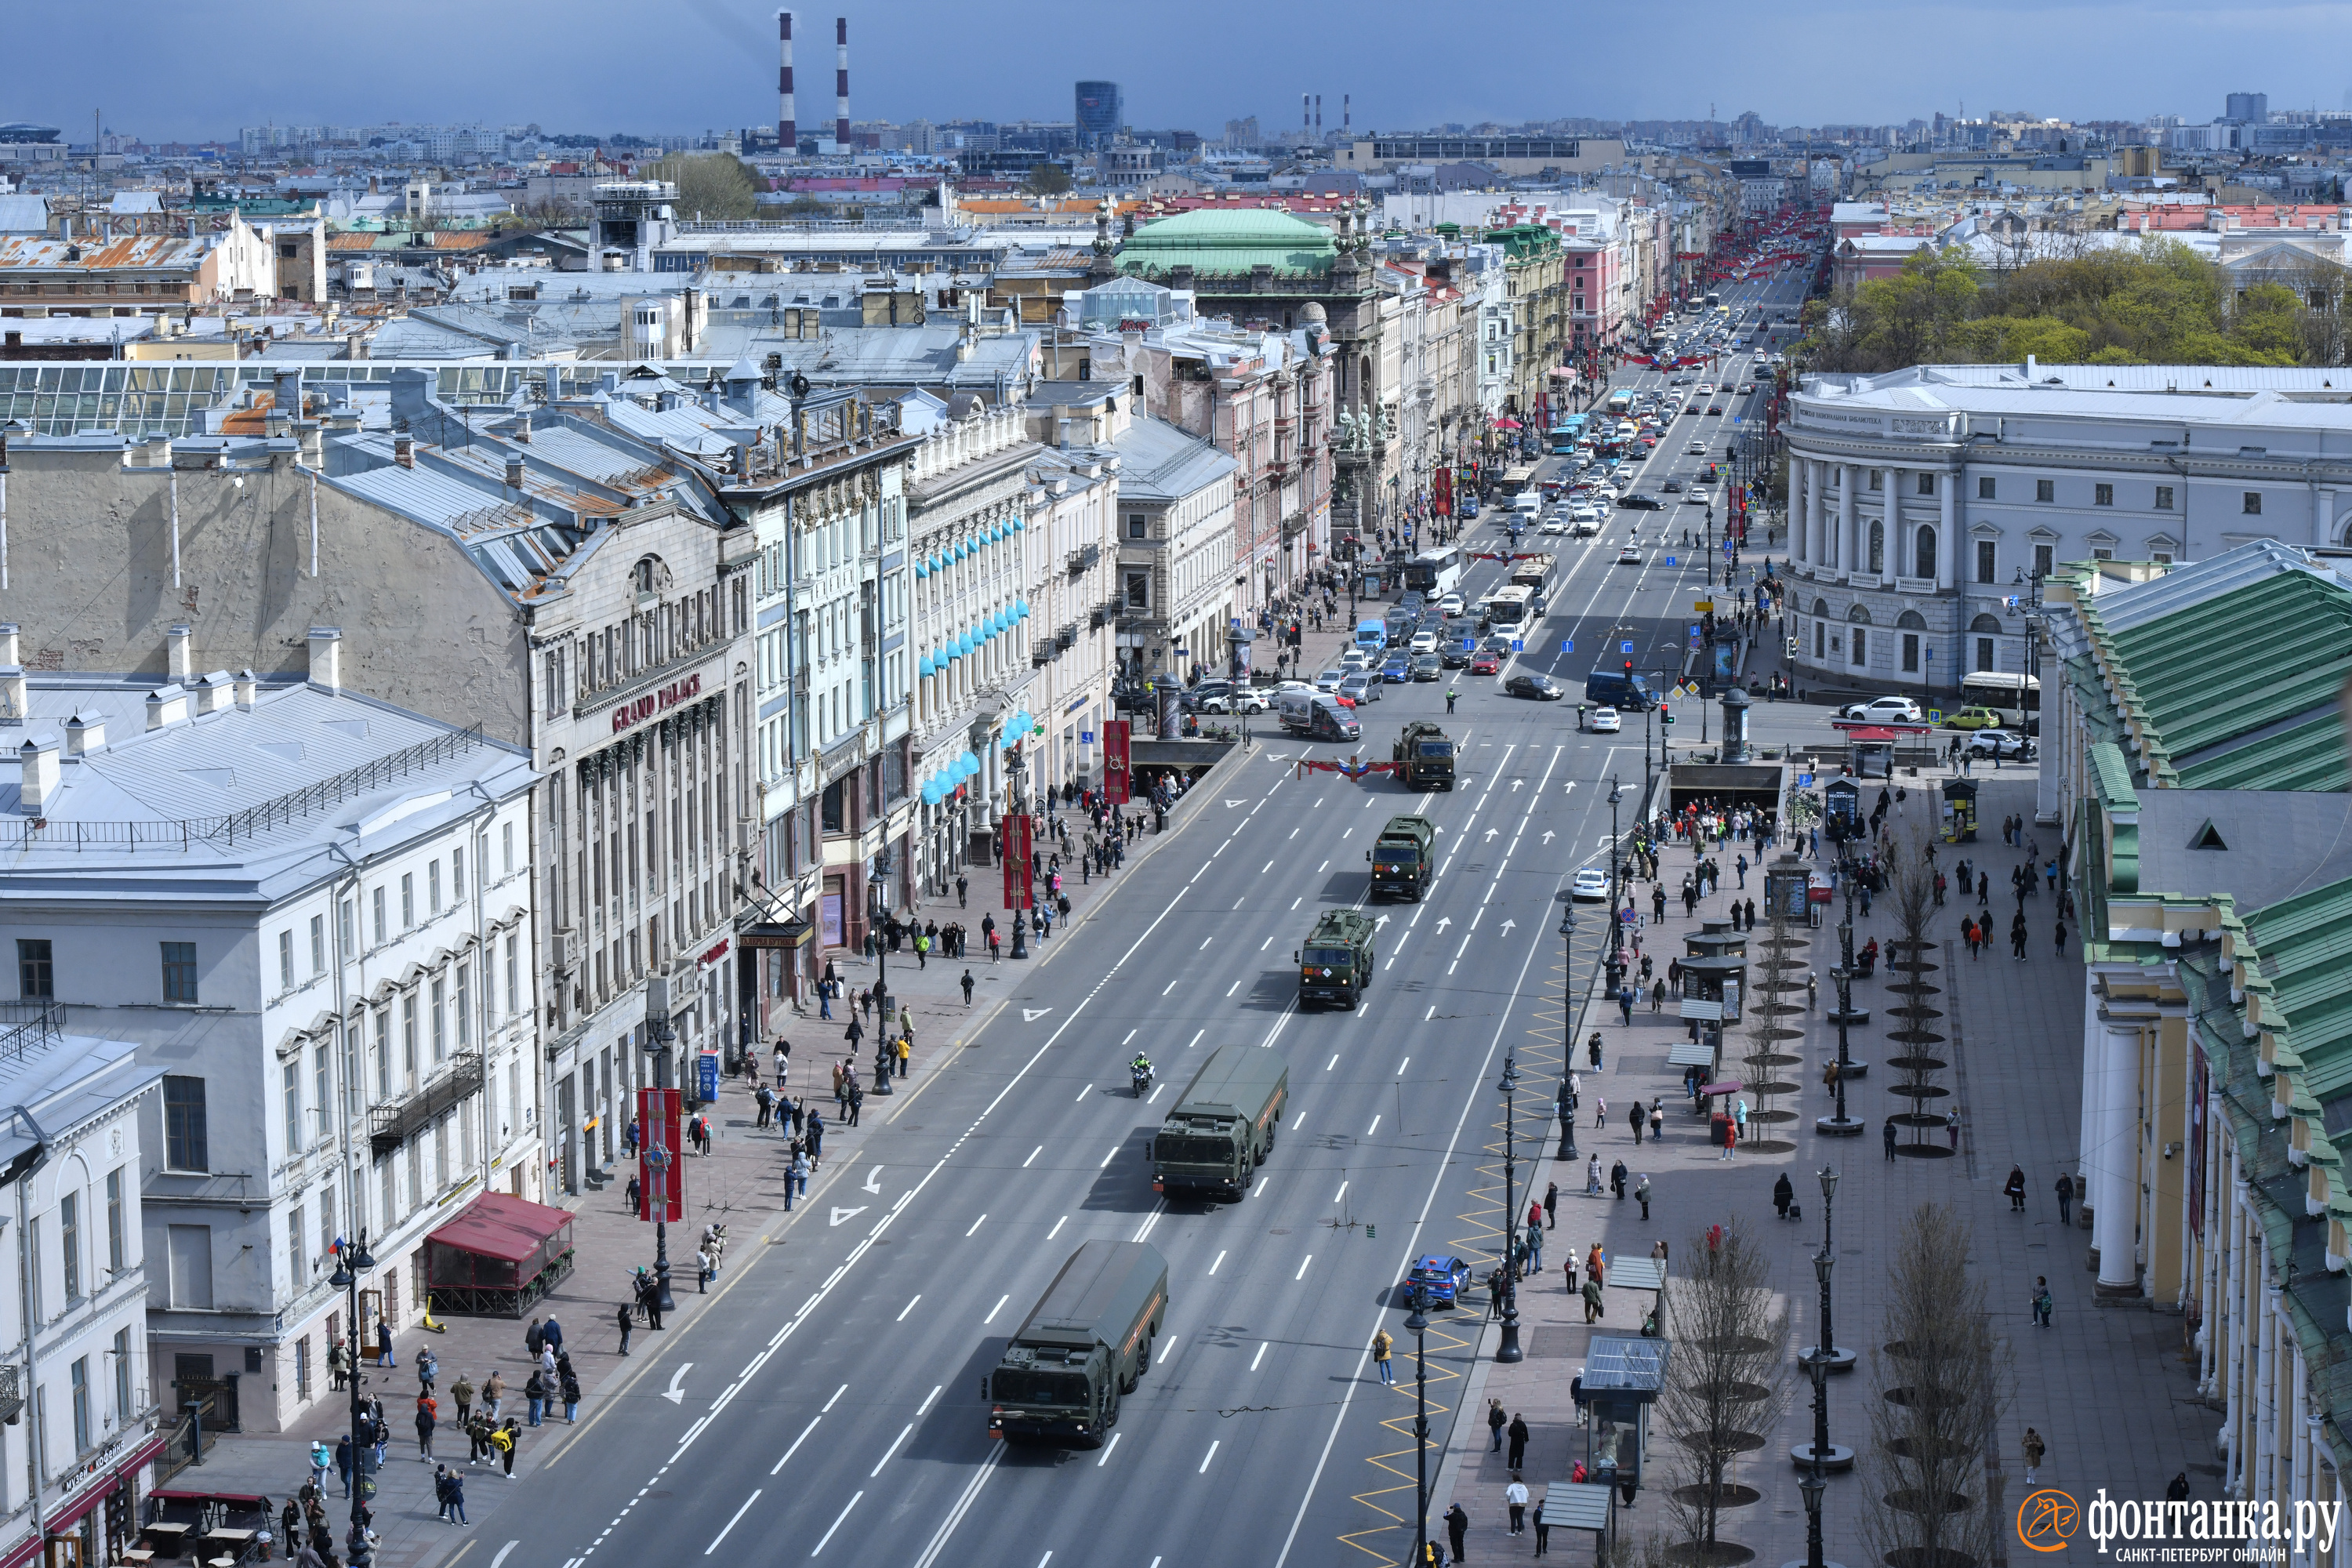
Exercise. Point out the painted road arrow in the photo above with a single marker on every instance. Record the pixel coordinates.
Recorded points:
(1546, 838)
(1508, 924)
(1443, 921)
(873, 1180)
(674, 1394)
(840, 1215)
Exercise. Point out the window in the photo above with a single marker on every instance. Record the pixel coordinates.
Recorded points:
(440, 1020)
(2251, 503)
(2103, 555)
(2161, 557)
(1138, 590)
(433, 887)
(1984, 655)
(1878, 547)
(1136, 526)
(457, 875)
(1988, 567)
(2043, 556)
(464, 1006)
(382, 1055)
(189, 1248)
(1927, 484)
(383, 932)
(123, 1384)
(1861, 645)
(1821, 630)
(2103, 495)
(286, 961)
(2164, 498)
(326, 1219)
(36, 979)
(1923, 554)
(408, 1035)
(2045, 489)
(513, 980)
(70, 1242)
(297, 1267)
(1878, 478)
(302, 1367)
(179, 971)
(1984, 490)
(290, 1080)
(345, 919)
(322, 1085)
(183, 1124)
(79, 1376)
(318, 945)
(407, 900)
(506, 848)
(114, 1223)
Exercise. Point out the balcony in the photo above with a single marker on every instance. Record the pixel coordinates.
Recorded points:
(1915, 585)
(390, 1126)
(1068, 636)
(1083, 559)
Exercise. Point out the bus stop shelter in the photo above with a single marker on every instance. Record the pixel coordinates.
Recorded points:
(497, 1256)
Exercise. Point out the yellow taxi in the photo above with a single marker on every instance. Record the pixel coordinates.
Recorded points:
(1973, 718)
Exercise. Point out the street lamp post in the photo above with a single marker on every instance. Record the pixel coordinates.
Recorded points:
(1821, 1456)
(1566, 1101)
(1846, 1017)
(351, 1264)
(1509, 1351)
(1418, 1326)
(878, 884)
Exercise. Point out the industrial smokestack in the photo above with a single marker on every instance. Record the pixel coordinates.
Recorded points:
(1318, 116)
(788, 125)
(1305, 112)
(1347, 120)
(841, 80)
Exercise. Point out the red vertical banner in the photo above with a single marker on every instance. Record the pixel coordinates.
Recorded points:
(1441, 492)
(1117, 786)
(1017, 862)
(661, 1174)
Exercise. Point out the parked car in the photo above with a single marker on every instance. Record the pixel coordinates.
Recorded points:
(1591, 886)
(2000, 744)
(1883, 711)
(1973, 718)
(1537, 687)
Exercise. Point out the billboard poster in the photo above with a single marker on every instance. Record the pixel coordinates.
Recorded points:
(1017, 862)
(1441, 492)
(1116, 735)
(661, 1174)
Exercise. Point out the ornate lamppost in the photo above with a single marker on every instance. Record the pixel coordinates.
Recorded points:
(1509, 1351)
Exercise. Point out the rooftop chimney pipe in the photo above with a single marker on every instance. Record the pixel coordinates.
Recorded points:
(788, 126)
(841, 79)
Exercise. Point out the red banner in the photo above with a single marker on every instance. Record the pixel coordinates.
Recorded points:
(1117, 736)
(1017, 862)
(1441, 491)
(661, 1174)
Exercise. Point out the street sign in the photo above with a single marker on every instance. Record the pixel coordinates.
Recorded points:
(1935, 715)
(1518, 646)
(1804, 781)
(1670, 560)
(1702, 606)
(1086, 737)
(1625, 648)
(706, 1077)
(1567, 644)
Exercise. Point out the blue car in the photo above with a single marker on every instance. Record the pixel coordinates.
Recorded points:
(1398, 670)
(1442, 1277)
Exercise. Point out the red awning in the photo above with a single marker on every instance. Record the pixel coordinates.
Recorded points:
(1507, 423)
(64, 1516)
(1722, 1085)
(511, 1229)
(1870, 732)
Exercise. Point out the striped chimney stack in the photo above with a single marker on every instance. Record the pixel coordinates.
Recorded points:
(788, 125)
(841, 80)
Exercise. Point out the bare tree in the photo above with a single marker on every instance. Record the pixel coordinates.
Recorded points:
(1727, 1385)
(1911, 892)
(1943, 1393)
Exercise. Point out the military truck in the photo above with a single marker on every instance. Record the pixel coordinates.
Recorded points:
(1404, 858)
(1336, 964)
(1222, 1128)
(1085, 1342)
(1427, 756)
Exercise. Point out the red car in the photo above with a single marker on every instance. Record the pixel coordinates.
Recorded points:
(1485, 662)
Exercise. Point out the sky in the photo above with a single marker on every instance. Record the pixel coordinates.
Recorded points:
(170, 71)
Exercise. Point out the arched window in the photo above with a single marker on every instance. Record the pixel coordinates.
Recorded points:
(1911, 621)
(1877, 547)
(1923, 553)
(1821, 609)
(1858, 615)
(1986, 625)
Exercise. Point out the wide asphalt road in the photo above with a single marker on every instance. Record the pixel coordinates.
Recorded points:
(830, 1407)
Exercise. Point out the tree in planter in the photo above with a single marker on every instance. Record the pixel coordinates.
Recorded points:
(1911, 893)
(1727, 1386)
(1766, 1032)
(1927, 1499)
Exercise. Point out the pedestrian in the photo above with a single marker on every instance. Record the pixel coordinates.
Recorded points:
(906, 1050)
(426, 1419)
(1495, 1422)
(2065, 1196)
(428, 1367)
(535, 1391)
(1641, 1196)
(461, 1393)
(1657, 1117)
(627, 1319)
(1617, 1175)
(504, 1441)
(701, 1272)
(1519, 1432)
(2062, 938)
(2015, 1188)
(343, 1461)
(1382, 1344)
(967, 987)
(1458, 1525)
(2041, 1303)
(1593, 1309)
(1783, 1194)
(1887, 1129)
(1592, 1177)
(1593, 1051)
(2176, 1488)
(553, 1333)
(1635, 1118)
(1552, 1205)
(1599, 1113)
(1543, 1530)
(963, 888)
(1516, 1497)
(457, 1499)
(494, 1392)
(441, 1491)
(534, 1338)
(2034, 1450)
(568, 1383)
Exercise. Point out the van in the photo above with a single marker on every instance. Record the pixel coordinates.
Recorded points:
(1371, 635)
(1527, 503)
(1316, 716)
(1615, 689)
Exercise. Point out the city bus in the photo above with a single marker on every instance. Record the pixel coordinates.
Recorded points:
(1506, 608)
(1619, 403)
(2016, 698)
(1433, 574)
(1532, 571)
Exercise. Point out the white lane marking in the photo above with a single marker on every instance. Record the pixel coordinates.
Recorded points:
(1109, 1157)
(926, 1405)
(1206, 1457)
(1196, 1039)
(975, 1225)
(1033, 1154)
(1171, 986)
(1333, 1063)
(501, 1557)
(1262, 1181)
(1261, 947)
(843, 1514)
(826, 1409)
(732, 1522)
(1298, 1121)
(1402, 1065)
(1233, 987)
(1375, 1127)
(1213, 1266)
(903, 1433)
(1204, 944)
(839, 1214)
(1154, 1094)
(1083, 1093)
(994, 1310)
(1108, 1448)
(1150, 1220)
(1302, 1268)
(1340, 1194)
(907, 1309)
(1264, 868)
(1130, 1037)
(1296, 902)
(791, 1451)
(1261, 1353)
(962, 1506)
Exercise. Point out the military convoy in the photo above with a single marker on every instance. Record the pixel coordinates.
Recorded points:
(1222, 1129)
(1426, 754)
(1405, 858)
(1086, 1342)
(1336, 964)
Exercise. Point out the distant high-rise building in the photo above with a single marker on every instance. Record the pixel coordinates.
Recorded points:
(1100, 113)
(1242, 132)
(2248, 108)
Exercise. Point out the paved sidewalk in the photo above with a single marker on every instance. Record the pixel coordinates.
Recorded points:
(2109, 1390)
(740, 1182)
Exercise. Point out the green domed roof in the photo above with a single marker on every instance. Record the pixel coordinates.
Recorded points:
(1230, 241)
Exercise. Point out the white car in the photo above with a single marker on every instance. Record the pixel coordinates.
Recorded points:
(1629, 555)
(1603, 722)
(1357, 658)
(1450, 606)
(1329, 679)
(1424, 642)
(1554, 524)
(1250, 699)
(1591, 886)
(1706, 389)
(1883, 711)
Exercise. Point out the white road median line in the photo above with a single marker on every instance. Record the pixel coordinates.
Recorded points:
(962, 1506)
(1057, 1227)
(994, 1310)
(1302, 1268)
(1206, 1457)
(1213, 1266)
(827, 1536)
(797, 1442)
(1261, 1353)
(1106, 1453)
(903, 1433)
(731, 1523)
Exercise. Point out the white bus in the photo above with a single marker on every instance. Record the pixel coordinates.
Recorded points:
(2016, 698)
(1433, 574)
(1506, 608)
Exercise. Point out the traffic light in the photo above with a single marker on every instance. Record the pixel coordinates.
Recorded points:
(1665, 714)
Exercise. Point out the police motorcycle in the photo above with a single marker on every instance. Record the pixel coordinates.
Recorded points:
(1139, 1072)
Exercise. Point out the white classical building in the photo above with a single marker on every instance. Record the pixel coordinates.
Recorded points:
(1925, 504)
(311, 913)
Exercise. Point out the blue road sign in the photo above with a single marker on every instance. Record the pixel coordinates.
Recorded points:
(1518, 647)
(1625, 648)
(1670, 560)
(1567, 644)
(1086, 737)
(1804, 781)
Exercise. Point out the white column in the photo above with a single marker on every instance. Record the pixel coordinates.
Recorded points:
(1891, 562)
(1947, 545)
(1817, 506)
(2086, 1134)
(1797, 540)
(2115, 1160)
(1849, 477)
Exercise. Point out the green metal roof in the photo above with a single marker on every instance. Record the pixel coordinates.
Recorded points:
(2240, 691)
(2304, 947)
(1234, 242)
(1522, 240)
